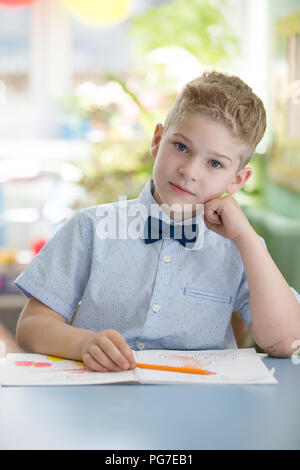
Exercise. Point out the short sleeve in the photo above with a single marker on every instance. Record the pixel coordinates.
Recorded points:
(58, 274)
(242, 301)
(296, 294)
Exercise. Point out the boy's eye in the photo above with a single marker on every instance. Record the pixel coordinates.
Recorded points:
(181, 147)
(215, 164)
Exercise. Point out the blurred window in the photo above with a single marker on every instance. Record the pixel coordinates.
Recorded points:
(96, 51)
(14, 53)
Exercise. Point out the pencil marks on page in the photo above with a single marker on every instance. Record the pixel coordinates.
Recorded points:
(182, 360)
(188, 361)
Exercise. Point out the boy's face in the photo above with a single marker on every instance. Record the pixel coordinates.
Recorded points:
(197, 155)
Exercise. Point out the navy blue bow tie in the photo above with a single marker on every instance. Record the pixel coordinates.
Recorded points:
(156, 229)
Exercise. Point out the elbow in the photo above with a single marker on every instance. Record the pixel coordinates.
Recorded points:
(284, 348)
(23, 334)
(19, 334)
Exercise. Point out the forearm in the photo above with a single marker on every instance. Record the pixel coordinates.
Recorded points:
(46, 335)
(275, 310)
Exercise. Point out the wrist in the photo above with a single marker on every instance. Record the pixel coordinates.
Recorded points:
(85, 336)
(243, 240)
(74, 341)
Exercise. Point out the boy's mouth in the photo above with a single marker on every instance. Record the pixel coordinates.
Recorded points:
(181, 190)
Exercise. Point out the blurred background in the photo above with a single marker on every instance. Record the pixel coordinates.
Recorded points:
(82, 84)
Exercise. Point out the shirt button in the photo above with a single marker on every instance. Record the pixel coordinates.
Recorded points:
(141, 346)
(156, 308)
(167, 259)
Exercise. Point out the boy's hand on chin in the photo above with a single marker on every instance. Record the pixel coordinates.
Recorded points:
(225, 217)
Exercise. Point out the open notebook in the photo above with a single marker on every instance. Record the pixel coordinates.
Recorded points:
(230, 366)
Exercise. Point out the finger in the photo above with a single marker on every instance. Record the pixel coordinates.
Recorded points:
(102, 358)
(214, 227)
(115, 355)
(207, 222)
(212, 211)
(213, 216)
(92, 364)
(122, 346)
(209, 225)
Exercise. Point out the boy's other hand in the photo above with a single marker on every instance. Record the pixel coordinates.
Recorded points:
(225, 217)
(107, 351)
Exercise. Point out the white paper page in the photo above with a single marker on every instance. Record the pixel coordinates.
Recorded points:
(38, 369)
(231, 366)
(238, 366)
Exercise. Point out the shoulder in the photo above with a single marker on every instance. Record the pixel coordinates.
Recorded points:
(93, 211)
(219, 242)
(91, 215)
(106, 219)
(222, 252)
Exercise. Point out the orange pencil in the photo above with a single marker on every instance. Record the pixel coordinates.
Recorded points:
(187, 370)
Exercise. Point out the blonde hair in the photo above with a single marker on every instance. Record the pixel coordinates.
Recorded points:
(224, 98)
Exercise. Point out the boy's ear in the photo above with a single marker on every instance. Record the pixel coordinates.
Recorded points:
(240, 179)
(156, 139)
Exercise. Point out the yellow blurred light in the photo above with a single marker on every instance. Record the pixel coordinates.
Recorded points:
(100, 12)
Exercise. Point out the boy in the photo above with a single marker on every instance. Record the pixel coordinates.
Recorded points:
(159, 292)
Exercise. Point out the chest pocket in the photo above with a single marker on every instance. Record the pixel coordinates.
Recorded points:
(209, 296)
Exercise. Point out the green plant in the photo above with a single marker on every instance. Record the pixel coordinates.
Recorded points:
(116, 168)
(199, 26)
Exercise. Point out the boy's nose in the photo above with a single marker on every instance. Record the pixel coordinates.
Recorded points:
(190, 169)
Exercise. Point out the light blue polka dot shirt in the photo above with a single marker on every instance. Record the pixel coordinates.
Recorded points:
(158, 296)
